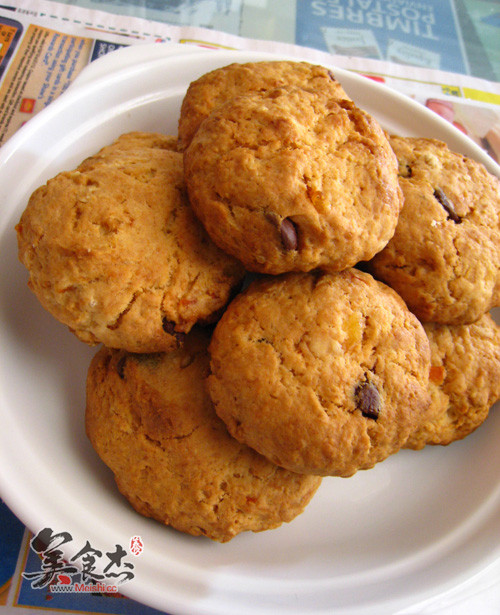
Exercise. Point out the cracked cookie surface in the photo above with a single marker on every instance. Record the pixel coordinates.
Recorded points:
(444, 258)
(115, 252)
(464, 380)
(216, 87)
(151, 421)
(291, 180)
(321, 373)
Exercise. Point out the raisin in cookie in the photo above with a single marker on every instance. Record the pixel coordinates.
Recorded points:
(464, 380)
(444, 258)
(291, 180)
(115, 252)
(216, 87)
(151, 421)
(322, 373)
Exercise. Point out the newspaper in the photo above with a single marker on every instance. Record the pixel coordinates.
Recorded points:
(451, 35)
(417, 48)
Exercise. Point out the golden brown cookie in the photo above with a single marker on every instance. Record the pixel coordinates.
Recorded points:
(321, 373)
(464, 380)
(444, 258)
(291, 180)
(115, 252)
(151, 421)
(216, 87)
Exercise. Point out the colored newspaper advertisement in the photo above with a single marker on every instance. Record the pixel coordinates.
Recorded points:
(422, 34)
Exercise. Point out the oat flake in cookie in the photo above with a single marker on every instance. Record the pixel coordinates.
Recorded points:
(464, 380)
(216, 87)
(292, 180)
(444, 258)
(321, 373)
(151, 421)
(115, 252)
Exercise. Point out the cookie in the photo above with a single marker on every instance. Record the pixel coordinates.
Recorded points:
(151, 421)
(216, 87)
(464, 380)
(322, 373)
(115, 252)
(444, 258)
(292, 180)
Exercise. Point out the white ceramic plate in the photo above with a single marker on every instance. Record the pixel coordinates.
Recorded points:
(413, 528)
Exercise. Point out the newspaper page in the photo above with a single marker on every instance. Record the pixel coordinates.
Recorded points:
(45, 44)
(38, 63)
(452, 35)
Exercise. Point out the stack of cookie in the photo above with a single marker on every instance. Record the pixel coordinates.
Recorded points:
(282, 292)
(444, 261)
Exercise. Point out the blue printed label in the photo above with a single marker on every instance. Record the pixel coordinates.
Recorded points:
(101, 48)
(422, 34)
